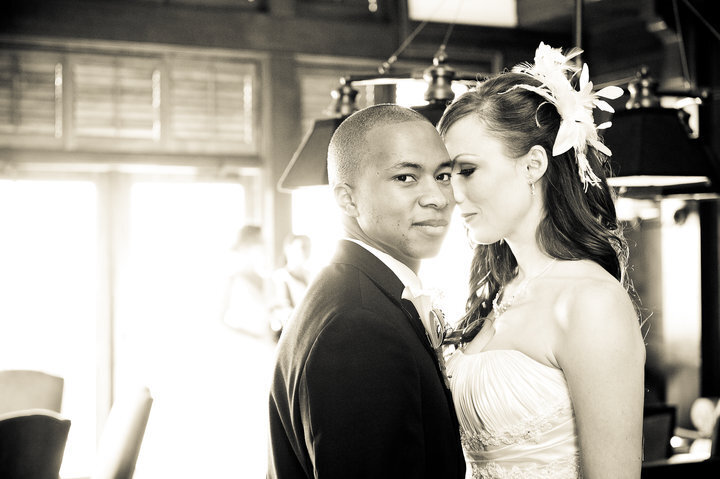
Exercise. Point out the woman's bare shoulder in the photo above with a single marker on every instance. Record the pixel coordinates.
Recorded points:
(592, 309)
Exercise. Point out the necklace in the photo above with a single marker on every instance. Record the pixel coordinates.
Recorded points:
(500, 308)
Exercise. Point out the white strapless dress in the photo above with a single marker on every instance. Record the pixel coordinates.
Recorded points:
(516, 417)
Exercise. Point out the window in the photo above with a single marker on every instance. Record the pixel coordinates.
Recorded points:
(112, 267)
(161, 101)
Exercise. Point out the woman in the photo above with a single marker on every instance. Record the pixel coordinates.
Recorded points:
(548, 378)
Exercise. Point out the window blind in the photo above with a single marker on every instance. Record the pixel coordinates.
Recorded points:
(211, 101)
(116, 97)
(30, 100)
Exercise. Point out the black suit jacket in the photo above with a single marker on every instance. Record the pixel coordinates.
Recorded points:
(357, 392)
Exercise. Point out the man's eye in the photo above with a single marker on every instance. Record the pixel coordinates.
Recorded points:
(443, 176)
(405, 178)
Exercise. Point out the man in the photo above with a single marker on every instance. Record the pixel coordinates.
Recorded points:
(357, 390)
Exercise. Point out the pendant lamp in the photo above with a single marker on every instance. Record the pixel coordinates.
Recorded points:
(653, 149)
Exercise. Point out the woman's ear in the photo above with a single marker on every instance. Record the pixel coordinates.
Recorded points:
(536, 162)
(344, 199)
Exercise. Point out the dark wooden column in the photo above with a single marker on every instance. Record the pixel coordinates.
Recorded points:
(704, 54)
(710, 297)
(281, 136)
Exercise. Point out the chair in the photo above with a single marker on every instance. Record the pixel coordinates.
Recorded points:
(122, 436)
(658, 429)
(27, 389)
(32, 444)
(715, 438)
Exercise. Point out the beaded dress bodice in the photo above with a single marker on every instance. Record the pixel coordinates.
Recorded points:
(516, 417)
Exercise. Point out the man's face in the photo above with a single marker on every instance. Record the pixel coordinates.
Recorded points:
(402, 193)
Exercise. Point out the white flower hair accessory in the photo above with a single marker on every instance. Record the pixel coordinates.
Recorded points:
(577, 127)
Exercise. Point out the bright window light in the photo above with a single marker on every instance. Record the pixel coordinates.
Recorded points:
(495, 13)
(48, 285)
(209, 382)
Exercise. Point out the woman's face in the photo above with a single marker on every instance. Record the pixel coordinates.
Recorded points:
(491, 188)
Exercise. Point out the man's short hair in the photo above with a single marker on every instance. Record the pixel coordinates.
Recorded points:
(348, 144)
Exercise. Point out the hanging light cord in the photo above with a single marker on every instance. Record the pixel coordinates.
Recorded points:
(681, 42)
(700, 17)
(385, 67)
(681, 46)
(447, 35)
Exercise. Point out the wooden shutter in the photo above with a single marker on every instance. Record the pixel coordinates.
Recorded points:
(116, 97)
(211, 105)
(30, 100)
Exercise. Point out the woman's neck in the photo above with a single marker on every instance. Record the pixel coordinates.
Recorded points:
(530, 258)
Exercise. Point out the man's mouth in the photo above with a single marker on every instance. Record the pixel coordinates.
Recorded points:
(433, 223)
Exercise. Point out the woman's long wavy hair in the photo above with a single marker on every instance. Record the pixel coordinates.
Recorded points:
(577, 224)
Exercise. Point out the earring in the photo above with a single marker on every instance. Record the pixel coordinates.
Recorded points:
(532, 188)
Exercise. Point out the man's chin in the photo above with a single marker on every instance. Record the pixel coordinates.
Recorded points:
(430, 251)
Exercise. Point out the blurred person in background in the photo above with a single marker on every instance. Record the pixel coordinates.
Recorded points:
(246, 300)
(290, 281)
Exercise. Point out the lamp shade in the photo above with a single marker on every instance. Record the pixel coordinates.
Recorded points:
(651, 147)
(308, 166)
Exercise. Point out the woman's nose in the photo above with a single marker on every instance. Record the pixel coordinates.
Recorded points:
(457, 189)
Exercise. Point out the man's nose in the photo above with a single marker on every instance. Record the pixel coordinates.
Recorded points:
(435, 195)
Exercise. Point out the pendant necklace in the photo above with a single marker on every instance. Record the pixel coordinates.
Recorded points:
(500, 308)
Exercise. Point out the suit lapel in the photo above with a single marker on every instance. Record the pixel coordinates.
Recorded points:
(391, 286)
(387, 282)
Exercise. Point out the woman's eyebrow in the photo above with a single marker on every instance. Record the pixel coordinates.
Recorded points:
(460, 155)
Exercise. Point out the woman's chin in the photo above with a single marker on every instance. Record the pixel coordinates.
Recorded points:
(484, 237)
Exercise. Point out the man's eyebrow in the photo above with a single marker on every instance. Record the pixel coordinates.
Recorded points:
(415, 166)
(405, 165)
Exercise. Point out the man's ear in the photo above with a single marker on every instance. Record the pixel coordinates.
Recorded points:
(344, 199)
(536, 163)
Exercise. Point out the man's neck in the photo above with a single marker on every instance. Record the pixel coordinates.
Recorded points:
(413, 264)
(404, 273)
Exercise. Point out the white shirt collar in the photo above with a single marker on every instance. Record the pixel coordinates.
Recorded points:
(407, 276)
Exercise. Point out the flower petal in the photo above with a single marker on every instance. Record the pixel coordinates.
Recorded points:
(603, 105)
(610, 92)
(584, 75)
(600, 146)
(565, 138)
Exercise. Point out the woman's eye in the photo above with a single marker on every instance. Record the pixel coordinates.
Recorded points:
(466, 171)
